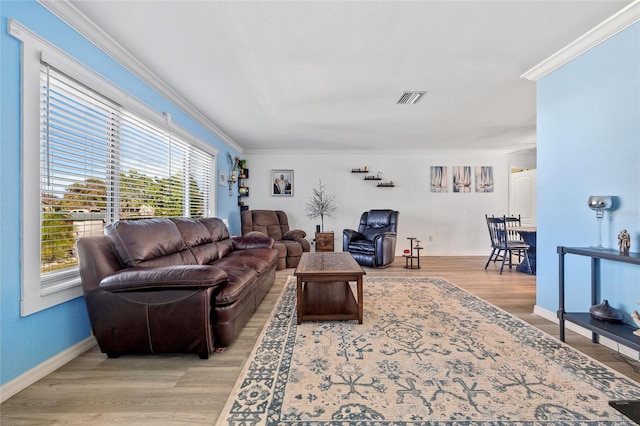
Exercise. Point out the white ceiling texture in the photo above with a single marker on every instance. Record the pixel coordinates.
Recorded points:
(326, 75)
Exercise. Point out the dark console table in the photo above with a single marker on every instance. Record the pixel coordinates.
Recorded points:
(621, 333)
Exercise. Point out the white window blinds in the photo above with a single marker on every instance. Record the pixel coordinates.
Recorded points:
(100, 163)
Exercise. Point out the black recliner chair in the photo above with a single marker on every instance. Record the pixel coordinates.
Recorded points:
(374, 243)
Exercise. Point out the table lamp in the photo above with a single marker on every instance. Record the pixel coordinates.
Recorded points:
(600, 203)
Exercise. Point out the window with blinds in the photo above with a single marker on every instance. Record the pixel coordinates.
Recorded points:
(100, 163)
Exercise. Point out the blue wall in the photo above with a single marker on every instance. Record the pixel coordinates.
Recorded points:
(27, 342)
(589, 144)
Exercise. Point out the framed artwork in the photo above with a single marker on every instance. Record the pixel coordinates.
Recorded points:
(222, 178)
(484, 179)
(282, 183)
(439, 179)
(461, 178)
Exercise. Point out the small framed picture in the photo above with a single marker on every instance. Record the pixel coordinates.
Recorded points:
(222, 178)
(282, 183)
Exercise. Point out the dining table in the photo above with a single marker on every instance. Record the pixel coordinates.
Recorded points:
(528, 234)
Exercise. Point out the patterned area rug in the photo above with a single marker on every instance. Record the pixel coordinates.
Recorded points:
(428, 353)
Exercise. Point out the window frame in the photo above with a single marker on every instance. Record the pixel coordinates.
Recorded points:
(66, 286)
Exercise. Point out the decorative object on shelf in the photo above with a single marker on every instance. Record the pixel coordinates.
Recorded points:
(234, 165)
(244, 191)
(439, 179)
(600, 203)
(484, 179)
(365, 170)
(233, 179)
(604, 312)
(320, 204)
(624, 242)
(372, 178)
(282, 183)
(389, 184)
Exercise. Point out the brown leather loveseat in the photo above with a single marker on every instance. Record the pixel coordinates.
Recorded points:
(176, 285)
(290, 243)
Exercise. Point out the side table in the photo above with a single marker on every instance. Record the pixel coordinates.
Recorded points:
(409, 255)
(324, 241)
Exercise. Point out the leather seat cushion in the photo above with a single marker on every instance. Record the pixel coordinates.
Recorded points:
(238, 286)
(363, 246)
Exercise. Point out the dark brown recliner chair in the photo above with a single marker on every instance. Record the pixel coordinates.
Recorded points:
(290, 243)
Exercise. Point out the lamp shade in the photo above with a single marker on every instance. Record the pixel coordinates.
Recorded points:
(600, 202)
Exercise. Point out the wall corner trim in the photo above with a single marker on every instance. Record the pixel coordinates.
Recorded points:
(45, 368)
(64, 10)
(608, 28)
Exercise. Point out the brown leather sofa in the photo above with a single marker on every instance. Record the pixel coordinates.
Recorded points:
(290, 243)
(177, 285)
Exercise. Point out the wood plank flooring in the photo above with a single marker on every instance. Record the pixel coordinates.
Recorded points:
(183, 389)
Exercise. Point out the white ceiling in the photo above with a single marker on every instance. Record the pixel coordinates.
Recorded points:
(325, 75)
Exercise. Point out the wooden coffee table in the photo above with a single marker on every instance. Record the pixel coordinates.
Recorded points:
(323, 289)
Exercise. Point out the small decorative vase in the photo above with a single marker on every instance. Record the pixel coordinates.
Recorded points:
(604, 312)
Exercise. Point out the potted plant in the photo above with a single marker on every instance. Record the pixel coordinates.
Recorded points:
(320, 204)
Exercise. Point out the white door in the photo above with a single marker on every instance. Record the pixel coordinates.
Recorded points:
(522, 195)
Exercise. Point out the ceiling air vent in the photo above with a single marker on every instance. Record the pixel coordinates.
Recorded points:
(410, 97)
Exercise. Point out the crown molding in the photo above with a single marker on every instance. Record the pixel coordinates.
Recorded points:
(613, 25)
(372, 152)
(83, 25)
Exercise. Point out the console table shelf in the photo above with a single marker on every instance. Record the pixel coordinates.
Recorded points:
(621, 333)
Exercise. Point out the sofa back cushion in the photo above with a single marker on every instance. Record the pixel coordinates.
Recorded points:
(219, 235)
(148, 242)
(197, 238)
(273, 223)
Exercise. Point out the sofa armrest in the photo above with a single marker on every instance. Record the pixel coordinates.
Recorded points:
(383, 235)
(164, 277)
(294, 235)
(349, 235)
(252, 240)
(352, 235)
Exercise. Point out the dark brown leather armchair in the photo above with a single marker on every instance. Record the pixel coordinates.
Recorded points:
(290, 243)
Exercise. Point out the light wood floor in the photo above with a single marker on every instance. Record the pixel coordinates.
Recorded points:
(182, 389)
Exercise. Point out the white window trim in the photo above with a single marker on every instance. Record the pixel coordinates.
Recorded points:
(35, 297)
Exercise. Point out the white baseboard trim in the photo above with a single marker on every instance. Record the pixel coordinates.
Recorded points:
(47, 367)
(611, 344)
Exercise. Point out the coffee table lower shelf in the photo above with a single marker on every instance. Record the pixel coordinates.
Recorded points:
(328, 301)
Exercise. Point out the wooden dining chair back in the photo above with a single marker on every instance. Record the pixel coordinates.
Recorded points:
(502, 247)
(511, 222)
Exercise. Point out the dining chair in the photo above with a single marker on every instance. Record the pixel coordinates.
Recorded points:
(502, 247)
